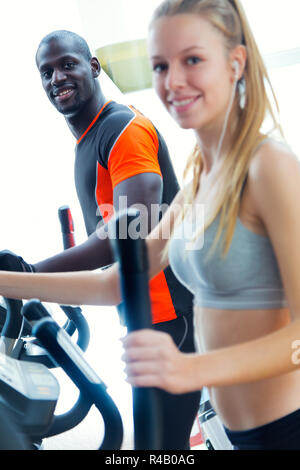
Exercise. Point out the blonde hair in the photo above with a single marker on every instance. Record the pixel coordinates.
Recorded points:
(228, 17)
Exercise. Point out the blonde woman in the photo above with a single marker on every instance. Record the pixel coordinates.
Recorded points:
(210, 76)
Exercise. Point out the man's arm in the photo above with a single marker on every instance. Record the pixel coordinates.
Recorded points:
(144, 191)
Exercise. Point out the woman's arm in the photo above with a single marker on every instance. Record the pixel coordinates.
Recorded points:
(78, 288)
(274, 185)
(86, 287)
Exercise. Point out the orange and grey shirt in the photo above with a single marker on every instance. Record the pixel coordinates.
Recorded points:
(120, 143)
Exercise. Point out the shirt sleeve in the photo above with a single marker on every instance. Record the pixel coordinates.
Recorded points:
(134, 152)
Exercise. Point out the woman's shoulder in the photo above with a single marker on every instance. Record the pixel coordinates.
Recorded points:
(273, 177)
(273, 159)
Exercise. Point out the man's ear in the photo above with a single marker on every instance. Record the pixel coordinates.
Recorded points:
(96, 67)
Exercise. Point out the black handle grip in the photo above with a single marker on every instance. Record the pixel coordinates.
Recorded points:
(34, 311)
(14, 320)
(129, 249)
(131, 253)
(67, 226)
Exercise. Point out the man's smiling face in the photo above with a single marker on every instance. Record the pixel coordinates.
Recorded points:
(67, 75)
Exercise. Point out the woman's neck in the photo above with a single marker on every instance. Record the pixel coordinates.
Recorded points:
(215, 143)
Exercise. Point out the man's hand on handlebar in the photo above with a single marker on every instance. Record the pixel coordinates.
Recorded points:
(9, 261)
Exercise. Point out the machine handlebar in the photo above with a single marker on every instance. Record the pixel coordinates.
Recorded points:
(131, 253)
(67, 226)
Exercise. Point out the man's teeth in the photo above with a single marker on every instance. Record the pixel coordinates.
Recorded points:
(183, 102)
(62, 93)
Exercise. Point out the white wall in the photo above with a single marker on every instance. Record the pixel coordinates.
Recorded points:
(36, 151)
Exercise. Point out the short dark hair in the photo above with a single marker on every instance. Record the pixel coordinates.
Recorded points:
(63, 34)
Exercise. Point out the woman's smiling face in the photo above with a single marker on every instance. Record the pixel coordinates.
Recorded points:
(192, 70)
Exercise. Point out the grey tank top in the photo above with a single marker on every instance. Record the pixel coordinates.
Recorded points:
(246, 278)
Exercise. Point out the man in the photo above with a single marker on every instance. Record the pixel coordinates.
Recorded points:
(119, 154)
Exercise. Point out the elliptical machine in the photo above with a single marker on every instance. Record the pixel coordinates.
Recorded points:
(18, 344)
(132, 258)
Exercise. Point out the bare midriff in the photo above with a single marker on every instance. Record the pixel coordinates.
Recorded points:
(248, 405)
